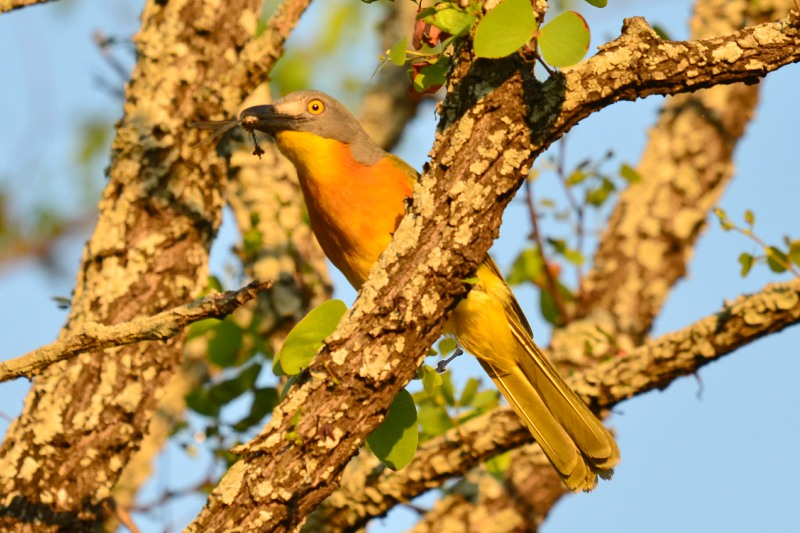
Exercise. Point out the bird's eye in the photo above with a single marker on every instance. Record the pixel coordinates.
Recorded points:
(315, 107)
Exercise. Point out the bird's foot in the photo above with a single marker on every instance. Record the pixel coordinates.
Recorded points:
(441, 366)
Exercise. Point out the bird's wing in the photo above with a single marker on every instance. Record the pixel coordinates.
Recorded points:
(502, 292)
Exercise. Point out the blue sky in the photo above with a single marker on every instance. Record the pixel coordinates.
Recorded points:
(721, 461)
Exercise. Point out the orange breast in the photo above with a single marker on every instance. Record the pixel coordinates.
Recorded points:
(354, 208)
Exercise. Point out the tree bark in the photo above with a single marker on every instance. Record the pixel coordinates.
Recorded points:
(84, 418)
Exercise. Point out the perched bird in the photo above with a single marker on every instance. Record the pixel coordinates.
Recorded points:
(355, 194)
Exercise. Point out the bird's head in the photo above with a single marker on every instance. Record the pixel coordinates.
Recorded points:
(315, 113)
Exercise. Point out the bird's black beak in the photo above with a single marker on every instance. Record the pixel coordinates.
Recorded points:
(266, 118)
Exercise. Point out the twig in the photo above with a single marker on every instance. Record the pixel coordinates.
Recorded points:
(552, 284)
(164, 325)
(574, 204)
(125, 519)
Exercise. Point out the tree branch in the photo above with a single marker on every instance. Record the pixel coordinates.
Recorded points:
(486, 142)
(653, 365)
(663, 216)
(93, 336)
(640, 64)
(161, 208)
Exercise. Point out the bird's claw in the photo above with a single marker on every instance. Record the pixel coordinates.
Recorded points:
(441, 366)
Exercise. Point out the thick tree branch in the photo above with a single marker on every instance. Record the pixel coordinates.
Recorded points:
(482, 152)
(640, 64)
(162, 326)
(159, 213)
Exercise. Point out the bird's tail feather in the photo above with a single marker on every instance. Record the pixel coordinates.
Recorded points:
(576, 442)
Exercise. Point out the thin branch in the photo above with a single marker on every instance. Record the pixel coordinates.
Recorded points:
(11, 5)
(576, 206)
(651, 366)
(552, 283)
(260, 54)
(94, 336)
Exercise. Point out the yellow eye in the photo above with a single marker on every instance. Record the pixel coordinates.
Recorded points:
(315, 107)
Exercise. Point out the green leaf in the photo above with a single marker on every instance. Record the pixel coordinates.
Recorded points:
(527, 267)
(486, 400)
(498, 465)
(722, 216)
(777, 260)
(394, 442)
(200, 401)
(598, 196)
(629, 174)
(252, 242)
(447, 346)
(230, 389)
(397, 54)
(749, 218)
(432, 74)
(746, 260)
(576, 177)
(597, 3)
(288, 385)
(447, 390)
(468, 394)
(573, 256)
(565, 39)
(451, 20)
(225, 343)
(201, 327)
(431, 379)
(548, 307)
(505, 29)
(214, 284)
(434, 419)
(661, 32)
(794, 252)
(307, 337)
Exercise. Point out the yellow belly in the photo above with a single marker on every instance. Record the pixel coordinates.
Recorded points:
(354, 208)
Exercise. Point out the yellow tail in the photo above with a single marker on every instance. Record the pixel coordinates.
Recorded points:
(489, 324)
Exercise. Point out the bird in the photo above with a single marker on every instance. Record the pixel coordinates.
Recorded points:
(356, 194)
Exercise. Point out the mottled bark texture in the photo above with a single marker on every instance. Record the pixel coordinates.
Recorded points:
(159, 213)
(483, 150)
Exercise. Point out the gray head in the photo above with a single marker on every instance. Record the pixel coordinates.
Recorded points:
(313, 112)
